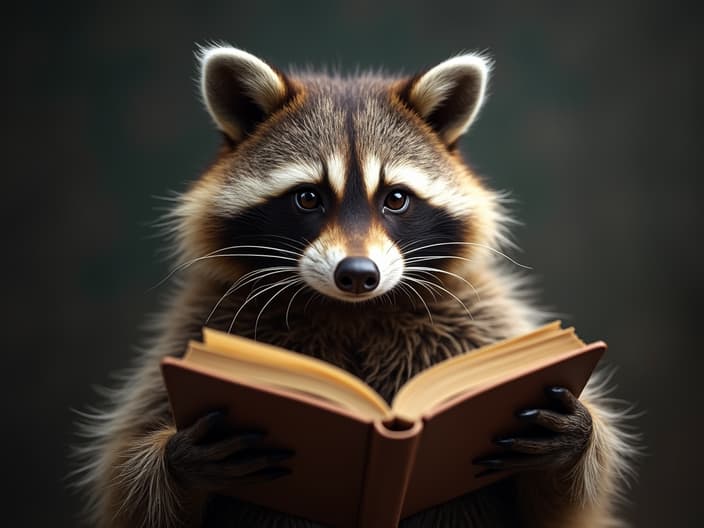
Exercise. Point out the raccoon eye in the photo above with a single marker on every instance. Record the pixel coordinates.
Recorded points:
(396, 202)
(307, 200)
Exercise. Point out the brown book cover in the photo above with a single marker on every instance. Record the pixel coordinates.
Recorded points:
(351, 471)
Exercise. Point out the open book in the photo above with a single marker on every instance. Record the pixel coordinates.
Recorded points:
(359, 461)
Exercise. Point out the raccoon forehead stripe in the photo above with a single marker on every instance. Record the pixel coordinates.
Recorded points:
(371, 172)
(437, 191)
(248, 191)
(293, 174)
(336, 173)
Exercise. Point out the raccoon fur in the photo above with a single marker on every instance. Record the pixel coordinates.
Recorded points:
(340, 220)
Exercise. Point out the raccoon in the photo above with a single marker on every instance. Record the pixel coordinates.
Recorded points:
(339, 220)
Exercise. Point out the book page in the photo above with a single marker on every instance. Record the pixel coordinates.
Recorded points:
(245, 359)
(484, 366)
(250, 361)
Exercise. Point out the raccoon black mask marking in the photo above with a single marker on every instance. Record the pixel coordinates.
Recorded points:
(407, 220)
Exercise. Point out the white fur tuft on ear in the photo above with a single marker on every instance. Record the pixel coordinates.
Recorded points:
(239, 89)
(449, 95)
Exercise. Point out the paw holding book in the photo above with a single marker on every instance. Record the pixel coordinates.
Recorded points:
(558, 443)
(208, 457)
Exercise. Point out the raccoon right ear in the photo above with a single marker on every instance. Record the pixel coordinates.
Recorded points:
(240, 90)
(448, 96)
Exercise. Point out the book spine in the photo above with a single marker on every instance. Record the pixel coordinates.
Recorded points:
(390, 458)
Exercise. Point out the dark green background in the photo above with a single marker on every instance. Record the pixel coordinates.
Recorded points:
(594, 124)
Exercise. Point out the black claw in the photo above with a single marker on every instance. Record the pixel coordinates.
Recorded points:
(556, 391)
(491, 462)
(215, 417)
(505, 441)
(527, 414)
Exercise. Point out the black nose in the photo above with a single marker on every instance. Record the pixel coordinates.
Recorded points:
(357, 275)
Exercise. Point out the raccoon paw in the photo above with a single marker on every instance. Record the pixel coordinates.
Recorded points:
(563, 437)
(204, 456)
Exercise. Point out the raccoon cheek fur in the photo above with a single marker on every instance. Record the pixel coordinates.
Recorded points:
(313, 171)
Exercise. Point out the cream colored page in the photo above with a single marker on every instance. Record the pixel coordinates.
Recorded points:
(485, 375)
(284, 363)
(438, 374)
(471, 375)
(262, 375)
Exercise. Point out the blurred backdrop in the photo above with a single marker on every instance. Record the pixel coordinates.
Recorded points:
(594, 124)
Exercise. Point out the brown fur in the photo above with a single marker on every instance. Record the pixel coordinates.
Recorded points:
(384, 344)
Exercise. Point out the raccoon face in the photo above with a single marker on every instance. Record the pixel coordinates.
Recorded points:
(351, 187)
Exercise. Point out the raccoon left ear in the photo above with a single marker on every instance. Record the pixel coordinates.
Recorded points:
(240, 90)
(448, 96)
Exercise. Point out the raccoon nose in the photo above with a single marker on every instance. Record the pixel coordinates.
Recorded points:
(356, 275)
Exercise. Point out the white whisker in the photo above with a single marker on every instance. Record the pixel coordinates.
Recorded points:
(290, 302)
(432, 284)
(476, 244)
(292, 242)
(252, 276)
(252, 297)
(427, 269)
(310, 299)
(409, 245)
(427, 309)
(403, 287)
(292, 282)
(426, 273)
(218, 254)
(264, 273)
(431, 291)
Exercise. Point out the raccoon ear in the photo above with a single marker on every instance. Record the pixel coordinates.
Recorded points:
(448, 96)
(239, 90)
